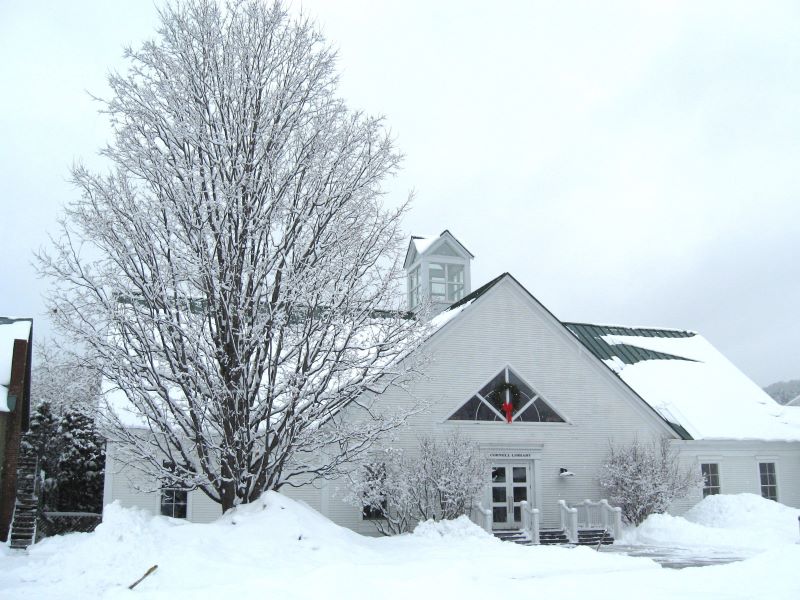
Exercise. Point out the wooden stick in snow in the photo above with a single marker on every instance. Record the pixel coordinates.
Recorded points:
(138, 581)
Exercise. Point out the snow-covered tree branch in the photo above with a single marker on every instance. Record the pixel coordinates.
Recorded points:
(235, 275)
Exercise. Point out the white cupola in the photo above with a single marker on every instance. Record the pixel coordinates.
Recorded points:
(437, 269)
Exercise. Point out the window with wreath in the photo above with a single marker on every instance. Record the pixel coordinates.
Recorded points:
(506, 397)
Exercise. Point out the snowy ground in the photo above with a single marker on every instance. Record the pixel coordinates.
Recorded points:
(280, 549)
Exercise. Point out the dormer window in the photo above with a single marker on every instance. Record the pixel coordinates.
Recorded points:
(446, 282)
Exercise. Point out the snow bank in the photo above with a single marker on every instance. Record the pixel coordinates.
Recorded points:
(279, 548)
(741, 521)
(459, 528)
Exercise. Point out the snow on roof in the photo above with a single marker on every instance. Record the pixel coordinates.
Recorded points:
(448, 315)
(704, 393)
(10, 330)
(423, 242)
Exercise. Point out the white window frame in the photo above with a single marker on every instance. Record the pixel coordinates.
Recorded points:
(761, 486)
(453, 290)
(173, 504)
(711, 490)
(414, 285)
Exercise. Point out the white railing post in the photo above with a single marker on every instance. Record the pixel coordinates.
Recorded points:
(569, 521)
(526, 523)
(487, 517)
(617, 522)
(612, 518)
(573, 533)
(530, 521)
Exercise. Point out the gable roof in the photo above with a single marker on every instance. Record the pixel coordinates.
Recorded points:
(679, 375)
(419, 244)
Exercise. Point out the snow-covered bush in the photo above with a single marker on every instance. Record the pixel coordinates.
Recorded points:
(398, 491)
(643, 479)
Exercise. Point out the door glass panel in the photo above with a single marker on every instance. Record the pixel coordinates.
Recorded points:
(499, 514)
(520, 494)
(519, 475)
(498, 474)
(517, 514)
(499, 494)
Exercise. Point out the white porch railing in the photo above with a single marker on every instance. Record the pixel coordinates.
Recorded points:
(569, 521)
(487, 517)
(600, 515)
(530, 521)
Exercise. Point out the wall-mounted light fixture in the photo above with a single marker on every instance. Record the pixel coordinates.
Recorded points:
(564, 472)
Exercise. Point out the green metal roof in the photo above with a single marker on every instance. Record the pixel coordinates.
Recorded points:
(592, 337)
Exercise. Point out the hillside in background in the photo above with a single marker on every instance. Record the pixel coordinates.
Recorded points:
(784, 391)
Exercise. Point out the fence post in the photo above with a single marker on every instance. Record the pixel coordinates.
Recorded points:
(487, 518)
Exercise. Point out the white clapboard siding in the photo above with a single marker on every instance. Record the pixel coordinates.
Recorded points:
(738, 467)
(505, 327)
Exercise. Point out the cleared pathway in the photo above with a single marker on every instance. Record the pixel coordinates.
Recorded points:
(680, 558)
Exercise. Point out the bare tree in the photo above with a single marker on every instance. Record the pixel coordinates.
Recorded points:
(440, 481)
(235, 276)
(63, 380)
(644, 479)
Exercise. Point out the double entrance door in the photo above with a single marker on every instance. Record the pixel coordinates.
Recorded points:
(511, 484)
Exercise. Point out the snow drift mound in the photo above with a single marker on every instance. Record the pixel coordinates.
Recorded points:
(275, 531)
(459, 528)
(743, 511)
(740, 521)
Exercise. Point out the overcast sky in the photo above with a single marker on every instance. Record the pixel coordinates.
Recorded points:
(629, 163)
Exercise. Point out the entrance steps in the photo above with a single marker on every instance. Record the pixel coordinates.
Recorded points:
(594, 537)
(513, 535)
(548, 537)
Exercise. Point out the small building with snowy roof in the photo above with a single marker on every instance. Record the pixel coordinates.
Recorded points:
(545, 399)
(15, 383)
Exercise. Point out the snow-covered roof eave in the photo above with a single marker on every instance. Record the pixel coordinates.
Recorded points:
(11, 329)
(704, 393)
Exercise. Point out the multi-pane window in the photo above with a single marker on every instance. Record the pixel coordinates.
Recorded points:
(769, 483)
(507, 387)
(710, 473)
(446, 282)
(413, 288)
(174, 502)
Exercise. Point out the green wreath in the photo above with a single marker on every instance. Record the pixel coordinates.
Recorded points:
(515, 394)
